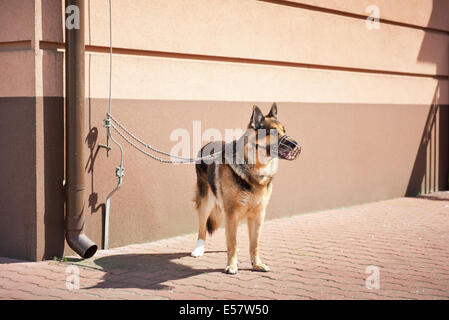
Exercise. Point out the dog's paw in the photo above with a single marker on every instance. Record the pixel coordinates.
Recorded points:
(199, 249)
(232, 269)
(198, 252)
(261, 267)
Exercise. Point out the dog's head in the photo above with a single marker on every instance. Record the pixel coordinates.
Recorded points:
(269, 135)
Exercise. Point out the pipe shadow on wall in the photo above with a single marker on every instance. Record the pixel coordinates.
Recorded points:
(94, 149)
(92, 137)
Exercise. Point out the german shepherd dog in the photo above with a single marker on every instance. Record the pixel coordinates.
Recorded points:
(238, 183)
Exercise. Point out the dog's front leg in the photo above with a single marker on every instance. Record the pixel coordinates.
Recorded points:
(231, 242)
(254, 228)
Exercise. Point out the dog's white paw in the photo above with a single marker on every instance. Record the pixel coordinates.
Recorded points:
(199, 249)
(198, 252)
(231, 269)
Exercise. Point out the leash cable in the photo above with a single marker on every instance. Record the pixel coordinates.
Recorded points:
(146, 145)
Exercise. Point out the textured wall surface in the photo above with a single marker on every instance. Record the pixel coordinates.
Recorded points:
(369, 106)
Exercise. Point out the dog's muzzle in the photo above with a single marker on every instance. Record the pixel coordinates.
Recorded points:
(288, 148)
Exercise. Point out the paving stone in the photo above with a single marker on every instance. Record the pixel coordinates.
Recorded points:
(331, 254)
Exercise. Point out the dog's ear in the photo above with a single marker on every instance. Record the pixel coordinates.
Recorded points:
(273, 111)
(256, 118)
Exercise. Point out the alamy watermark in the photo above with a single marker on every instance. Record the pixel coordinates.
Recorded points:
(243, 147)
(72, 281)
(373, 280)
(373, 20)
(73, 20)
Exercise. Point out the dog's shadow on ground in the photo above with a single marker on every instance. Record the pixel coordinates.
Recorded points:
(145, 271)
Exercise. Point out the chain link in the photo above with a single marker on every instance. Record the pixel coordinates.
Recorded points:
(152, 156)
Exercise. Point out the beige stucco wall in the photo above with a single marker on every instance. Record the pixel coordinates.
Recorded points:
(370, 107)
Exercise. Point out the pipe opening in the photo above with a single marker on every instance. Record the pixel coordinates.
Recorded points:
(90, 252)
(81, 244)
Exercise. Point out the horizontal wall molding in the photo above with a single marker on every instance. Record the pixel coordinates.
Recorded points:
(352, 15)
(270, 32)
(15, 45)
(47, 45)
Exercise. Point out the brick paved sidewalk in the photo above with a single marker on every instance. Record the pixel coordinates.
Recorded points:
(321, 255)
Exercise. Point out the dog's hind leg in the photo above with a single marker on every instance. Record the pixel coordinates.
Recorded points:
(205, 207)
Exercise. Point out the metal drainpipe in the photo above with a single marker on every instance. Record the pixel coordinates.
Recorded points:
(75, 105)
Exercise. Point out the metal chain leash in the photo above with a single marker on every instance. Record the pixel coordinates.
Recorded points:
(148, 146)
(152, 156)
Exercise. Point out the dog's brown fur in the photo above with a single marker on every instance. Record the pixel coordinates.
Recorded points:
(235, 192)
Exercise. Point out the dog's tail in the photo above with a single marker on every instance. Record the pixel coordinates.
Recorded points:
(214, 220)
